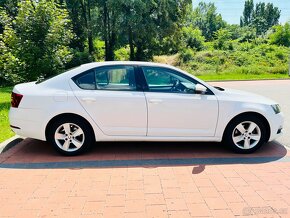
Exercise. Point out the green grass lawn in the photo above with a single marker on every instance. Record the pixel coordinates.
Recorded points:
(5, 96)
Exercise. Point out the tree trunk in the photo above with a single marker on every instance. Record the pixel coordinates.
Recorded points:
(130, 37)
(139, 53)
(113, 38)
(87, 18)
(90, 34)
(106, 31)
(110, 36)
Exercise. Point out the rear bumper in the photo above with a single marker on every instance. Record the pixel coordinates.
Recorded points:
(26, 122)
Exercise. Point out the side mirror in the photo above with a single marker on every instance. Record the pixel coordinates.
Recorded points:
(200, 89)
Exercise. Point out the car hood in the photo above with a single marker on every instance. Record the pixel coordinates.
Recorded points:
(242, 96)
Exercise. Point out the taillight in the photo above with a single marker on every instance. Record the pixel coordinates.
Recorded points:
(15, 99)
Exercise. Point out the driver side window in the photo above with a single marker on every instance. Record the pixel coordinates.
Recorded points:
(164, 80)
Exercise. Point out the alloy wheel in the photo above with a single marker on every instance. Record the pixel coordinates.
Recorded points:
(69, 137)
(246, 135)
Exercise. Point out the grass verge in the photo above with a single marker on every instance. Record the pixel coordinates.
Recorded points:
(5, 96)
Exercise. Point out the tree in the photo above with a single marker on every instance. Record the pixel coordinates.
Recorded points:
(222, 37)
(206, 18)
(193, 38)
(144, 24)
(35, 43)
(86, 6)
(152, 21)
(281, 35)
(78, 24)
(247, 18)
(248, 34)
(262, 17)
(10, 7)
(130, 11)
(108, 17)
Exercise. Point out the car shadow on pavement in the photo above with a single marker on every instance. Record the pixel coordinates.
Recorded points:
(32, 154)
(35, 154)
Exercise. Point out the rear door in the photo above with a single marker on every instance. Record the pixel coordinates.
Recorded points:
(110, 96)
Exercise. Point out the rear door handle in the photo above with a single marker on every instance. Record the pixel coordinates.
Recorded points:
(155, 101)
(88, 99)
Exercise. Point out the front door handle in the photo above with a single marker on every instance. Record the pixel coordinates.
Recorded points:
(88, 99)
(155, 101)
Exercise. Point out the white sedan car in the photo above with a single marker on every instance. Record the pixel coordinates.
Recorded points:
(139, 101)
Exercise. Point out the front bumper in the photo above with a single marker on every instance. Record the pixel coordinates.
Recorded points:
(276, 122)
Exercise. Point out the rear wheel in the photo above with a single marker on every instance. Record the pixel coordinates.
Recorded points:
(70, 136)
(245, 134)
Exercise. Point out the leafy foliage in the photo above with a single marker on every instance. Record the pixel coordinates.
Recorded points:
(281, 35)
(244, 58)
(39, 38)
(222, 39)
(206, 18)
(262, 17)
(35, 43)
(193, 38)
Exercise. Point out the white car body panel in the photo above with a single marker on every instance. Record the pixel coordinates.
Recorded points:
(116, 113)
(133, 116)
(181, 115)
(234, 102)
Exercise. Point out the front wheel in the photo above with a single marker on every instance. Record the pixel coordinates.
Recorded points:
(70, 136)
(245, 134)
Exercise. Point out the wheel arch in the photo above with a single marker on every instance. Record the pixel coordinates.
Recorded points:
(260, 116)
(67, 115)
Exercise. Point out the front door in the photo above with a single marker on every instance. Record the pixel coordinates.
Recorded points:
(174, 109)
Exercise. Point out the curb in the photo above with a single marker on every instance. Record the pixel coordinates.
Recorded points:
(9, 143)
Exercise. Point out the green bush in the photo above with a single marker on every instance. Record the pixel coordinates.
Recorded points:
(223, 37)
(246, 59)
(99, 50)
(79, 58)
(187, 55)
(281, 35)
(192, 38)
(36, 42)
(122, 54)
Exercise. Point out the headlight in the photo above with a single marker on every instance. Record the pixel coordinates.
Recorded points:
(276, 108)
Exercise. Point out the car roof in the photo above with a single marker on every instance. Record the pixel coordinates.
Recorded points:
(84, 67)
(113, 63)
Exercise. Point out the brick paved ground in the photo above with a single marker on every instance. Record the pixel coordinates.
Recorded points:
(258, 186)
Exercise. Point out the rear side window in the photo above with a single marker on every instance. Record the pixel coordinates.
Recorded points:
(116, 78)
(119, 78)
(87, 80)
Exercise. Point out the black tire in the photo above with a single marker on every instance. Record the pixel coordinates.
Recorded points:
(239, 147)
(86, 138)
